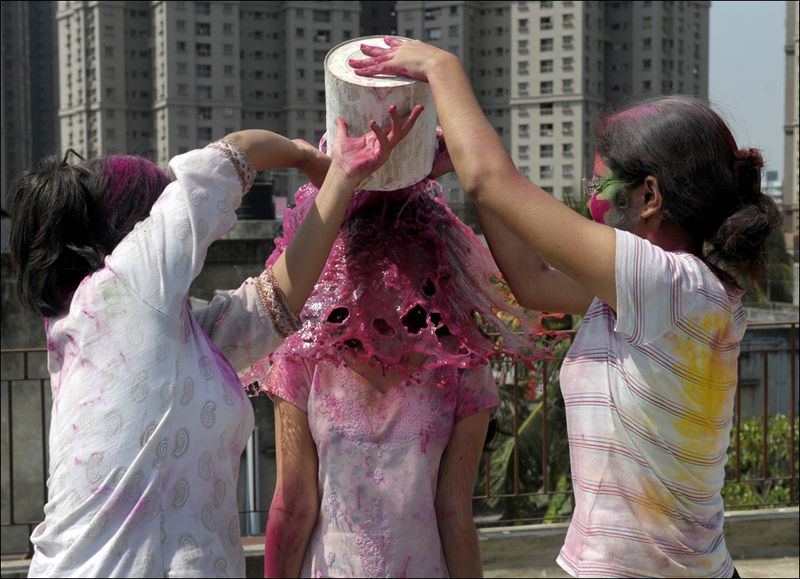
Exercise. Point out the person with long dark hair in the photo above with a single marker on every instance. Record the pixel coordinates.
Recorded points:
(149, 418)
(649, 382)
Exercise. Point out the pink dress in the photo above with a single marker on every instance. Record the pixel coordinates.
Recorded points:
(379, 458)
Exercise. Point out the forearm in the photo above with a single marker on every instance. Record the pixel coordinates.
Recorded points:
(267, 150)
(583, 251)
(299, 267)
(288, 532)
(460, 542)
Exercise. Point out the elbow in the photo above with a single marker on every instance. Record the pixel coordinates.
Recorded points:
(455, 513)
(487, 178)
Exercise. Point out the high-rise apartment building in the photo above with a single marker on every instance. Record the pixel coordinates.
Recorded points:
(160, 78)
(544, 71)
(28, 67)
(378, 17)
(791, 165)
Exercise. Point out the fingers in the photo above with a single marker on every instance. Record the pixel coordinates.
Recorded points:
(412, 118)
(370, 50)
(392, 42)
(368, 62)
(380, 135)
(341, 127)
(395, 125)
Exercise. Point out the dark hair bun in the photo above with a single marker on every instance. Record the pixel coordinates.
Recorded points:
(747, 170)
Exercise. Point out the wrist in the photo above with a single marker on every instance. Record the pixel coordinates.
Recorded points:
(338, 176)
(441, 62)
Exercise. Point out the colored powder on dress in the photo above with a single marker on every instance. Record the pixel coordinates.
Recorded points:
(405, 276)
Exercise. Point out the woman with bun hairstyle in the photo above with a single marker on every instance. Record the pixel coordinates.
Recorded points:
(649, 382)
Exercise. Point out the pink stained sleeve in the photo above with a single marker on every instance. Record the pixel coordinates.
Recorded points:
(290, 380)
(476, 392)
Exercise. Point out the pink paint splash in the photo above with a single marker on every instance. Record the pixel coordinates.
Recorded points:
(405, 276)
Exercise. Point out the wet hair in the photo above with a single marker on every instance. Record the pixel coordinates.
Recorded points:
(710, 187)
(66, 218)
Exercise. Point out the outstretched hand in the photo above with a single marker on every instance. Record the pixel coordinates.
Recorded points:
(405, 58)
(359, 157)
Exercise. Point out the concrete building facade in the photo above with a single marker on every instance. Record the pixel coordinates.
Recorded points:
(791, 164)
(28, 68)
(544, 71)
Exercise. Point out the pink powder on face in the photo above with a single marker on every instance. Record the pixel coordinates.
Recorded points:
(405, 276)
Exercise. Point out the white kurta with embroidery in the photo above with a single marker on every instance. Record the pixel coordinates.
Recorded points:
(149, 419)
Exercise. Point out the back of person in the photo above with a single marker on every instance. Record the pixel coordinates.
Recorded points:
(649, 392)
(379, 456)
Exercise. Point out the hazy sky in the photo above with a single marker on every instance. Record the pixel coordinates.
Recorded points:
(747, 73)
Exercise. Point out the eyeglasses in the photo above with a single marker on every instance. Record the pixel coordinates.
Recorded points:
(595, 185)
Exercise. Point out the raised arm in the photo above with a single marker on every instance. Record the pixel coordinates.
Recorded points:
(533, 282)
(581, 249)
(353, 160)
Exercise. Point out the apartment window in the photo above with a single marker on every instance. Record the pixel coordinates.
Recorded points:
(522, 151)
(319, 75)
(567, 64)
(180, 25)
(646, 85)
(322, 16)
(647, 22)
(522, 130)
(647, 43)
(522, 46)
(568, 20)
(300, 72)
(203, 71)
(322, 36)
(546, 109)
(546, 44)
(567, 170)
(110, 93)
(452, 30)
(522, 87)
(229, 91)
(566, 85)
(301, 94)
(546, 130)
(567, 128)
(300, 53)
(453, 10)
(183, 131)
(299, 12)
(545, 66)
(433, 33)
(545, 4)
(522, 67)
(647, 64)
(183, 89)
(522, 24)
(204, 134)
(546, 87)
(567, 150)
(258, 55)
(204, 113)
(258, 75)
(567, 42)
(227, 8)
(227, 27)
(202, 28)
(227, 70)
(227, 49)
(203, 93)
(545, 171)
(202, 49)
(202, 8)
(109, 51)
(545, 23)
(300, 32)
(321, 97)
(545, 151)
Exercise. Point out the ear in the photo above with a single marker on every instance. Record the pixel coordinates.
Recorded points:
(652, 201)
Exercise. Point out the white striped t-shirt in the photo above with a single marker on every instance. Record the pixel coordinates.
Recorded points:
(649, 394)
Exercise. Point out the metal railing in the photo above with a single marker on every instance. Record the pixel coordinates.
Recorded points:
(524, 479)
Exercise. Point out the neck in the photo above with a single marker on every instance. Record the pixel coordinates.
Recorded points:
(674, 238)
